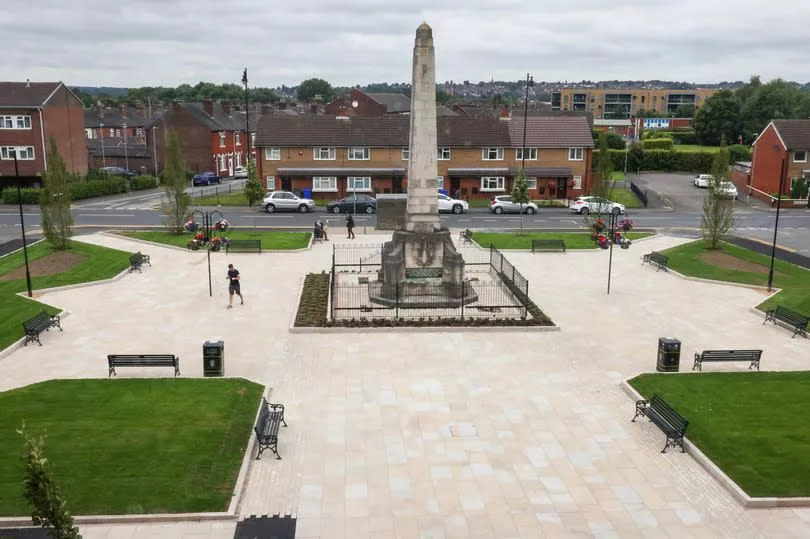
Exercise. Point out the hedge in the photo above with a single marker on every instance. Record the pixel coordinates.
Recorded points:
(29, 195)
(78, 190)
(738, 152)
(142, 182)
(658, 144)
(668, 160)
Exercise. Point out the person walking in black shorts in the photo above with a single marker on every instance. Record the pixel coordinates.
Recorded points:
(233, 286)
(350, 227)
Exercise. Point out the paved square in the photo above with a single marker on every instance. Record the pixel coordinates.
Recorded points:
(451, 434)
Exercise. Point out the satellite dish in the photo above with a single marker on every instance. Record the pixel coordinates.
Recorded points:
(355, 104)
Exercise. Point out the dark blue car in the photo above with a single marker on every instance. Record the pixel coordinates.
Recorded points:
(205, 178)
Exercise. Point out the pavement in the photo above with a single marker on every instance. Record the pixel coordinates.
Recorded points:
(455, 434)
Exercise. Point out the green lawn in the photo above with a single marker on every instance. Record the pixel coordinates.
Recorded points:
(794, 281)
(234, 199)
(618, 176)
(510, 240)
(272, 241)
(626, 197)
(100, 263)
(754, 426)
(695, 148)
(159, 445)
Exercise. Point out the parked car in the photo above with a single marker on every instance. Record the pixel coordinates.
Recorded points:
(353, 203)
(286, 201)
(454, 205)
(591, 204)
(726, 190)
(117, 171)
(240, 172)
(702, 180)
(205, 178)
(504, 204)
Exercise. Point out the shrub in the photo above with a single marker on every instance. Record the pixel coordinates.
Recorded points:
(616, 157)
(684, 137)
(97, 188)
(658, 144)
(698, 162)
(29, 195)
(142, 182)
(738, 152)
(659, 135)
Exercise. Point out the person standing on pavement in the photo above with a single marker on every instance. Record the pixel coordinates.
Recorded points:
(350, 227)
(233, 286)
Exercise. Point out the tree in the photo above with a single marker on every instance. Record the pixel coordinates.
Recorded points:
(42, 492)
(684, 110)
(604, 166)
(775, 100)
(315, 87)
(520, 194)
(174, 186)
(615, 141)
(54, 200)
(718, 212)
(253, 188)
(718, 118)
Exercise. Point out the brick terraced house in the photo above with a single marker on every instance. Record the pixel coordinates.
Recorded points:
(31, 113)
(477, 157)
(780, 152)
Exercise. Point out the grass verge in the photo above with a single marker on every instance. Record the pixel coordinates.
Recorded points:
(271, 241)
(690, 259)
(225, 199)
(695, 148)
(510, 240)
(131, 445)
(754, 426)
(99, 263)
(626, 197)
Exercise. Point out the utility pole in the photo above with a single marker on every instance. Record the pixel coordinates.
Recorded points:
(103, 159)
(154, 153)
(126, 157)
(776, 224)
(22, 223)
(247, 113)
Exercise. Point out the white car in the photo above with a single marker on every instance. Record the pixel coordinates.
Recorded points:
(702, 180)
(454, 205)
(726, 190)
(505, 204)
(284, 200)
(240, 172)
(591, 204)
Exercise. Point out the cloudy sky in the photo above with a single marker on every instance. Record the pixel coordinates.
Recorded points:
(168, 42)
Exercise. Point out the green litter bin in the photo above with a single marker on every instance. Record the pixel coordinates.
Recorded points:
(213, 358)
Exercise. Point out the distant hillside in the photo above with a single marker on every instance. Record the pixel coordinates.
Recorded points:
(111, 91)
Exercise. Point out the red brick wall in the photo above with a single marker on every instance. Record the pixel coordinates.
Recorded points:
(366, 106)
(23, 137)
(194, 136)
(767, 162)
(64, 121)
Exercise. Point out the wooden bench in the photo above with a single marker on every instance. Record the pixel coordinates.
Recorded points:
(795, 320)
(548, 245)
(244, 246)
(39, 323)
(656, 259)
(136, 260)
(751, 356)
(271, 416)
(142, 360)
(665, 418)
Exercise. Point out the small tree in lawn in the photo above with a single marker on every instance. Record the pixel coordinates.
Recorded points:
(520, 194)
(49, 508)
(718, 212)
(54, 200)
(601, 186)
(253, 187)
(174, 186)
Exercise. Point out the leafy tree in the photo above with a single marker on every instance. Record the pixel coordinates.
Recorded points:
(636, 156)
(54, 200)
(684, 111)
(174, 186)
(775, 100)
(42, 492)
(614, 140)
(601, 184)
(718, 212)
(253, 188)
(520, 194)
(718, 118)
(315, 87)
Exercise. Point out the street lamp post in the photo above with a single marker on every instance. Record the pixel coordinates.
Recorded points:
(612, 217)
(208, 223)
(126, 157)
(247, 113)
(103, 159)
(154, 153)
(529, 82)
(776, 226)
(22, 223)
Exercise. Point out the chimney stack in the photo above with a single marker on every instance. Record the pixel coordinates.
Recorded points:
(208, 106)
(226, 107)
(122, 108)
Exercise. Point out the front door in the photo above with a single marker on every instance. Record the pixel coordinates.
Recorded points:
(396, 184)
(562, 188)
(230, 166)
(455, 187)
(286, 183)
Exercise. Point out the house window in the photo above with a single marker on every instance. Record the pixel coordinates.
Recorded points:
(492, 154)
(24, 153)
(443, 154)
(577, 182)
(322, 154)
(271, 183)
(531, 154)
(272, 154)
(222, 163)
(358, 183)
(492, 183)
(406, 154)
(800, 157)
(253, 139)
(112, 132)
(237, 140)
(531, 183)
(222, 139)
(440, 182)
(324, 183)
(117, 133)
(359, 154)
(89, 133)
(15, 122)
(238, 159)
(138, 132)
(575, 154)
(7, 122)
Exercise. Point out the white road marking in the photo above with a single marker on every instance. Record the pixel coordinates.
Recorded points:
(105, 215)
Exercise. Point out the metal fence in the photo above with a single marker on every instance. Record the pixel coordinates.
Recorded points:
(366, 257)
(641, 194)
(517, 283)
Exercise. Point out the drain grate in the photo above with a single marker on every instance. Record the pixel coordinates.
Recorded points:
(463, 430)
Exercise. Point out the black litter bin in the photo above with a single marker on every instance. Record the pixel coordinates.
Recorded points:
(669, 355)
(213, 358)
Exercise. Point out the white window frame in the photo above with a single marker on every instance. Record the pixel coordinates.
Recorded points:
(222, 163)
(485, 154)
(11, 121)
(531, 157)
(138, 132)
(89, 132)
(222, 139)
(364, 151)
(112, 133)
(238, 156)
(573, 152)
(439, 182)
(577, 182)
(531, 182)
(443, 154)
(500, 181)
(271, 183)
(351, 184)
(272, 154)
(237, 138)
(406, 153)
(800, 160)
(5, 153)
(329, 150)
(331, 184)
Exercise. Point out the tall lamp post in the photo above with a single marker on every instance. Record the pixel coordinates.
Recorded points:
(208, 221)
(247, 113)
(776, 224)
(126, 157)
(154, 153)
(103, 159)
(22, 223)
(529, 82)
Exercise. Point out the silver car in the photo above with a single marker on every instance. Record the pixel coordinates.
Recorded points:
(286, 201)
(505, 204)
